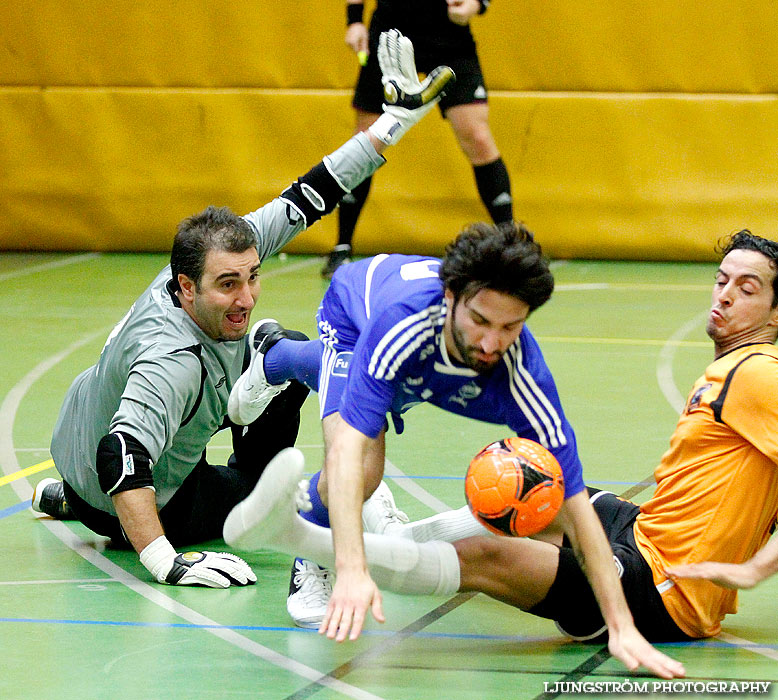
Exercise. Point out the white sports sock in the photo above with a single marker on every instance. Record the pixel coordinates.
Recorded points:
(449, 526)
(396, 564)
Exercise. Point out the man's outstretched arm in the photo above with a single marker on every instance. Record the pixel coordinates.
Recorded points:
(590, 544)
(746, 575)
(355, 591)
(318, 192)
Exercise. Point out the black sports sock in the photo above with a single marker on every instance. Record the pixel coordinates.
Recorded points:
(494, 186)
(349, 209)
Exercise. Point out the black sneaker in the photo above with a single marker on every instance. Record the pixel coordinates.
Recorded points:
(49, 498)
(339, 255)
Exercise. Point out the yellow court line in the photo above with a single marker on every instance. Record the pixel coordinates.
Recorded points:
(624, 341)
(26, 472)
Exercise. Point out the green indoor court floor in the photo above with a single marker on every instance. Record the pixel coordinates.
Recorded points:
(80, 620)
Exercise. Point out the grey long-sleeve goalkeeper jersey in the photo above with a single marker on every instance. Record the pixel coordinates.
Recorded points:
(160, 378)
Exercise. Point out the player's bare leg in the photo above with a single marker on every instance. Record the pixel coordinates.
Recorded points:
(515, 570)
(470, 123)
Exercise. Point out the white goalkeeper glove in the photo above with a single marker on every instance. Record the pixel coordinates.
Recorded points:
(212, 569)
(407, 99)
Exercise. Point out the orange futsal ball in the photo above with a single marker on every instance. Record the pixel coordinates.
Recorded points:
(514, 487)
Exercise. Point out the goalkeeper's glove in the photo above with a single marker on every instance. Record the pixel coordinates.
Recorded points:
(212, 569)
(407, 99)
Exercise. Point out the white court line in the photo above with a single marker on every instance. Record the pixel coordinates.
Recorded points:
(664, 365)
(48, 266)
(10, 406)
(292, 267)
(298, 446)
(414, 489)
(42, 582)
(210, 447)
(632, 286)
(75, 259)
(739, 642)
(155, 595)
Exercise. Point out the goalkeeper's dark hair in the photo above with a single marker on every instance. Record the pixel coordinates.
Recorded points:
(745, 240)
(501, 257)
(214, 228)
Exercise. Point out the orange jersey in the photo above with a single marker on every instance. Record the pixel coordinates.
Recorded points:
(717, 486)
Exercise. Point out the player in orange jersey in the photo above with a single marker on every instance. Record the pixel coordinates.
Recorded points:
(738, 454)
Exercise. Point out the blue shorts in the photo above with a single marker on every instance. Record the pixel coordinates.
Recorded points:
(338, 336)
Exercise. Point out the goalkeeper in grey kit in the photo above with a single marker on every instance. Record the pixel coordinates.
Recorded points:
(131, 435)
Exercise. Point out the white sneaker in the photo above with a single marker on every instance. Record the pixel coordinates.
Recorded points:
(380, 513)
(266, 516)
(309, 593)
(252, 393)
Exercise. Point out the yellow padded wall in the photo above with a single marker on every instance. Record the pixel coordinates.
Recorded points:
(652, 177)
(589, 45)
(629, 130)
(117, 169)
(629, 46)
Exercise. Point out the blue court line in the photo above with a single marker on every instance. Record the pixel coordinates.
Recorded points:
(708, 644)
(24, 505)
(247, 628)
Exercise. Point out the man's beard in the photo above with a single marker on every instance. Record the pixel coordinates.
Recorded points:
(468, 353)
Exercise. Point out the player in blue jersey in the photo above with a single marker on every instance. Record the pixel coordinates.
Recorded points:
(132, 432)
(395, 331)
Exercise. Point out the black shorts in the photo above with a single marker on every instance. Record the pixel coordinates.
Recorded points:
(195, 514)
(469, 87)
(570, 601)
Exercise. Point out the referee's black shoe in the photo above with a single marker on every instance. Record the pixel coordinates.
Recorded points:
(49, 498)
(339, 255)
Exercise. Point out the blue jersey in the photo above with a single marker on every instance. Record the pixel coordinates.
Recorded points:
(381, 322)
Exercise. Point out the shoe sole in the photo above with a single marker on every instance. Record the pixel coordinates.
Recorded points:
(306, 624)
(37, 494)
(251, 524)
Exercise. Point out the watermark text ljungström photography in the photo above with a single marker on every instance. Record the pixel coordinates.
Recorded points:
(658, 687)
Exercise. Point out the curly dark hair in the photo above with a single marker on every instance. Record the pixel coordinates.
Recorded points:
(745, 240)
(501, 257)
(214, 228)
